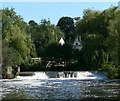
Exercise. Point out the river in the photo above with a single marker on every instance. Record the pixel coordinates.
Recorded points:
(73, 86)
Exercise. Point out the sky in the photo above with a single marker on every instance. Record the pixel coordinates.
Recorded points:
(54, 10)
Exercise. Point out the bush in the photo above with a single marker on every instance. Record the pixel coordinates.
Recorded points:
(112, 70)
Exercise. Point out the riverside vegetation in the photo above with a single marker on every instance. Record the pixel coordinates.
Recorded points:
(99, 31)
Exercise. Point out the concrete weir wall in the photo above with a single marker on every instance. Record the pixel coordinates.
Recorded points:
(82, 75)
(10, 72)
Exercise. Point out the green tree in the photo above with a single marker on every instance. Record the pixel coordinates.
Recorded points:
(16, 43)
(66, 24)
(100, 20)
(44, 34)
(93, 50)
(67, 52)
(113, 41)
(99, 41)
(53, 51)
(56, 52)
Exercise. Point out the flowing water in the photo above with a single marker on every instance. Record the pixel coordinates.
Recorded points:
(59, 86)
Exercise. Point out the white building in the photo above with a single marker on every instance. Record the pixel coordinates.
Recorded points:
(77, 44)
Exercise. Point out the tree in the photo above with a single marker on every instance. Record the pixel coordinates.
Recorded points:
(67, 52)
(53, 51)
(93, 50)
(66, 24)
(44, 34)
(85, 25)
(17, 45)
(58, 53)
(99, 41)
(113, 41)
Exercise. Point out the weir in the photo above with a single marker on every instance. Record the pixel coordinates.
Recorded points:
(66, 75)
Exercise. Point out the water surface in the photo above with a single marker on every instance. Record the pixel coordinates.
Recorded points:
(42, 87)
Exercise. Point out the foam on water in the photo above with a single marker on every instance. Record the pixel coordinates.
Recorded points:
(53, 75)
(38, 75)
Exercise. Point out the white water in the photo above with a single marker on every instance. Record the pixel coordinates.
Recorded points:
(38, 75)
(45, 85)
(53, 75)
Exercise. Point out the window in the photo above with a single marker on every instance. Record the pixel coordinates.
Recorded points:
(76, 44)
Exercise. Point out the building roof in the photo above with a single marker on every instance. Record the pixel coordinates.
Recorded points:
(62, 42)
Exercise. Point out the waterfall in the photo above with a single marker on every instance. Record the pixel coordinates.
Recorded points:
(38, 75)
(65, 74)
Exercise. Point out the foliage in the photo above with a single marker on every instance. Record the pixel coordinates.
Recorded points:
(43, 34)
(66, 24)
(93, 49)
(114, 39)
(100, 31)
(67, 52)
(100, 20)
(112, 70)
(17, 45)
(53, 51)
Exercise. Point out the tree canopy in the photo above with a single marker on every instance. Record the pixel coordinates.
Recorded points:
(66, 24)
(17, 45)
(44, 34)
(100, 36)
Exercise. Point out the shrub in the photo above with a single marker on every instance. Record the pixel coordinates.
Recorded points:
(112, 70)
